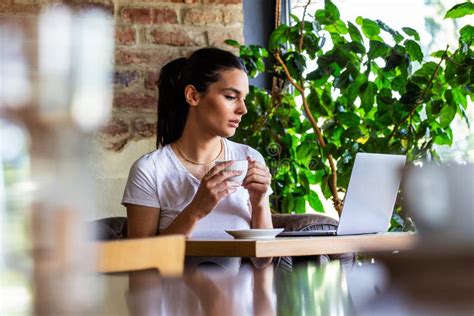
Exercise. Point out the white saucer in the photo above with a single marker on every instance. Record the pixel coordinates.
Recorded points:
(256, 233)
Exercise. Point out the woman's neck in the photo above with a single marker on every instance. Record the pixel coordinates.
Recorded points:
(199, 149)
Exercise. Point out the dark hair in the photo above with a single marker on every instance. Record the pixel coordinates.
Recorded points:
(201, 69)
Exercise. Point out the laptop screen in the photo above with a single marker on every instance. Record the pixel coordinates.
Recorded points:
(371, 194)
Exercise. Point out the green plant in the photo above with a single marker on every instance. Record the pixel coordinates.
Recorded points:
(342, 89)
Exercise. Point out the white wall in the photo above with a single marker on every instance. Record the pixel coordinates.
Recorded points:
(110, 170)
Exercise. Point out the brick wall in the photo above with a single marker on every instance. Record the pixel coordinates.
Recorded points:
(148, 33)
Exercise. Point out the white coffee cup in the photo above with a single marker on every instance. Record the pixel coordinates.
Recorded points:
(237, 165)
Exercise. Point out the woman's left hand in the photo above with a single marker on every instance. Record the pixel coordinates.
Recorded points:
(257, 181)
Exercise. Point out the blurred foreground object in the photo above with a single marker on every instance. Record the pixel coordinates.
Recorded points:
(436, 278)
(57, 87)
(441, 200)
(163, 253)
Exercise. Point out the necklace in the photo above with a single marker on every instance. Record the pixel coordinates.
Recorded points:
(196, 162)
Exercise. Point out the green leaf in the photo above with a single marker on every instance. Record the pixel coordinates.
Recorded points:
(279, 37)
(412, 94)
(294, 18)
(338, 27)
(300, 205)
(320, 17)
(414, 50)
(304, 182)
(354, 33)
(296, 63)
(397, 37)
(438, 53)
(288, 204)
(353, 133)
(467, 34)
(451, 70)
(370, 29)
(316, 75)
(311, 43)
(459, 97)
(466, 118)
(356, 47)
(329, 15)
(232, 43)
(331, 10)
(411, 32)
(460, 10)
(393, 61)
(336, 135)
(446, 116)
(378, 49)
(444, 137)
(426, 71)
(367, 96)
(399, 83)
(315, 202)
(349, 119)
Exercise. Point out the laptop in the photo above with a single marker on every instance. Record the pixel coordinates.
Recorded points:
(370, 196)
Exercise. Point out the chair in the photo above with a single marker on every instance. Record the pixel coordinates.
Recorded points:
(165, 253)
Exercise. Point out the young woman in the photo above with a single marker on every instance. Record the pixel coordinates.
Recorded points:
(178, 188)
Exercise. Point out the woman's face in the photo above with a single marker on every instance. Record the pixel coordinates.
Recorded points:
(222, 106)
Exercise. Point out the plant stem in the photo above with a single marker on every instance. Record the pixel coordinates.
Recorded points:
(420, 99)
(300, 46)
(300, 87)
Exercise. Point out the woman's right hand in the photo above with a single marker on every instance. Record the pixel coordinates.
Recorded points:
(213, 188)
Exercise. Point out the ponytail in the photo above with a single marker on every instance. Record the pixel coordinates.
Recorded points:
(172, 106)
(201, 69)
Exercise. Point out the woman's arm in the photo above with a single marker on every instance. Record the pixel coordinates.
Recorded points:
(261, 218)
(257, 182)
(143, 222)
(261, 214)
(184, 223)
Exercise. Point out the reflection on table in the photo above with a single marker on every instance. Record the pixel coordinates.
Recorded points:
(364, 288)
(307, 290)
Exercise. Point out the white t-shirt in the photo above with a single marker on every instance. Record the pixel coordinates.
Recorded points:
(160, 180)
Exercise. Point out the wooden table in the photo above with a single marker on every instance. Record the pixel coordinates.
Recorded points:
(299, 246)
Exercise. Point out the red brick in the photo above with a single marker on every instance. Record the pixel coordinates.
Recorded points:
(164, 15)
(126, 78)
(115, 134)
(125, 35)
(149, 15)
(135, 101)
(79, 5)
(143, 128)
(177, 38)
(115, 128)
(164, 1)
(145, 58)
(203, 17)
(222, 1)
(217, 37)
(19, 8)
(151, 79)
(137, 15)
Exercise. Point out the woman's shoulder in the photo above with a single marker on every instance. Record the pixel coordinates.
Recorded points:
(151, 160)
